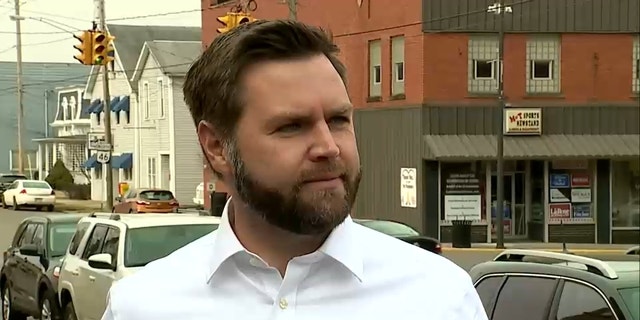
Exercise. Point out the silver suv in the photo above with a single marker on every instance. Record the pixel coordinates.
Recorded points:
(108, 247)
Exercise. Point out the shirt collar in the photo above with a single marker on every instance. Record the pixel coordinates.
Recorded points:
(341, 245)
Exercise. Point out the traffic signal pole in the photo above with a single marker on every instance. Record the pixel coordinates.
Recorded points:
(106, 109)
(19, 84)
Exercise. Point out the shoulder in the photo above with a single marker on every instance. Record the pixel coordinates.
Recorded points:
(186, 269)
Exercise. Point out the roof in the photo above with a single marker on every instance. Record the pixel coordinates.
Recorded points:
(173, 57)
(483, 147)
(134, 221)
(58, 218)
(131, 38)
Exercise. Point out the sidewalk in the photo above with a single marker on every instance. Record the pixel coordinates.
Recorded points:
(573, 247)
(69, 205)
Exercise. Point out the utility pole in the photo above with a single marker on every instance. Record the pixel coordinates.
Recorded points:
(20, 116)
(293, 9)
(106, 109)
(499, 9)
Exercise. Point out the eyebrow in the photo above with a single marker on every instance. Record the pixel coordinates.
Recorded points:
(293, 116)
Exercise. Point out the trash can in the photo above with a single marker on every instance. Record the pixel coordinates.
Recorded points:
(461, 235)
(218, 201)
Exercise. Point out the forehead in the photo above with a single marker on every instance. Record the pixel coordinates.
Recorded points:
(293, 86)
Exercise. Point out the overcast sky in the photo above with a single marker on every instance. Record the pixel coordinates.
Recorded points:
(42, 42)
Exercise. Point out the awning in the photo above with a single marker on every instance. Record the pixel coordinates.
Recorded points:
(122, 105)
(483, 147)
(98, 108)
(114, 102)
(123, 161)
(92, 162)
(94, 106)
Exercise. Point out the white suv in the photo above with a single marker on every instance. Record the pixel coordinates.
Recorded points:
(108, 247)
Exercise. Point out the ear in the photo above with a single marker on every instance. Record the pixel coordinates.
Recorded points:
(212, 146)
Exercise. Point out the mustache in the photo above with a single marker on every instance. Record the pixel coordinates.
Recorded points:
(329, 169)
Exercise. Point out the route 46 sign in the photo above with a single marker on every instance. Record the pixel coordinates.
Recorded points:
(103, 157)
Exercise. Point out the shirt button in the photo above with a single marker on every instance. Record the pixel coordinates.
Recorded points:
(283, 303)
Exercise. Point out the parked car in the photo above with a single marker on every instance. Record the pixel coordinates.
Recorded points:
(146, 201)
(6, 179)
(31, 265)
(402, 232)
(108, 247)
(530, 284)
(633, 250)
(29, 193)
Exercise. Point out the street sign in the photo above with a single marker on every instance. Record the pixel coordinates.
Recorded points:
(96, 141)
(103, 156)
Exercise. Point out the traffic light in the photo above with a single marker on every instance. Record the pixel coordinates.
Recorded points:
(102, 48)
(85, 47)
(233, 19)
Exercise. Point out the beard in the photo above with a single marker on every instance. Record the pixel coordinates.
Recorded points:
(299, 211)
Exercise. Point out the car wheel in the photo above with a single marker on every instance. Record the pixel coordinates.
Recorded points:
(4, 203)
(8, 312)
(69, 312)
(15, 204)
(49, 309)
(50, 208)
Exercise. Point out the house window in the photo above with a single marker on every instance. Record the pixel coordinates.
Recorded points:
(375, 65)
(151, 172)
(161, 104)
(636, 66)
(397, 61)
(543, 64)
(127, 174)
(146, 96)
(542, 69)
(481, 66)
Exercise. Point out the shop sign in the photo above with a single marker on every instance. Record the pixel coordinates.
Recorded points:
(408, 189)
(462, 183)
(580, 180)
(559, 181)
(560, 211)
(582, 195)
(523, 121)
(582, 210)
(462, 207)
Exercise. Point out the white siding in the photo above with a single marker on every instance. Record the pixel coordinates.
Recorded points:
(123, 138)
(154, 130)
(187, 149)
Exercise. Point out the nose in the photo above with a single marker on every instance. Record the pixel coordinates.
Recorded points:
(324, 145)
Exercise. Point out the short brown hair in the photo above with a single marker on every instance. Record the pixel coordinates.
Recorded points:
(212, 86)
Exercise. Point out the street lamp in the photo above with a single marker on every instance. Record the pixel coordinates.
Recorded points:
(500, 9)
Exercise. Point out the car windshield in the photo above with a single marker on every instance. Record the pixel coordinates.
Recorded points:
(158, 195)
(60, 235)
(11, 178)
(390, 228)
(631, 297)
(146, 244)
(35, 185)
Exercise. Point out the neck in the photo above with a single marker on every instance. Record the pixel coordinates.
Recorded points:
(272, 244)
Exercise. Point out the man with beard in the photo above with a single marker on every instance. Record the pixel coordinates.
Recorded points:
(275, 123)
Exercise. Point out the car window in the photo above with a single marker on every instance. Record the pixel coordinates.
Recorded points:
(95, 241)
(525, 298)
(18, 236)
(60, 235)
(487, 290)
(35, 185)
(38, 235)
(111, 242)
(10, 178)
(27, 235)
(144, 245)
(156, 195)
(631, 297)
(579, 301)
(81, 229)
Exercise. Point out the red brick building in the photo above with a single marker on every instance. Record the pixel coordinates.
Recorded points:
(426, 71)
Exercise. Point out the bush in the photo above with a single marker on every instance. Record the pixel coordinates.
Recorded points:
(59, 176)
(78, 191)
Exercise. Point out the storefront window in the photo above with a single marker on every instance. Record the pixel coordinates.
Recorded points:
(537, 191)
(462, 191)
(625, 193)
(570, 194)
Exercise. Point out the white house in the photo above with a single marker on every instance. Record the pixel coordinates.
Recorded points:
(126, 128)
(169, 149)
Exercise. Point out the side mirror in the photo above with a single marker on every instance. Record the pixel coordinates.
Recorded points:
(102, 261)
(31, 250)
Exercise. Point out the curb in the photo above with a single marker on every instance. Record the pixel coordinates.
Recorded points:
(619, 251)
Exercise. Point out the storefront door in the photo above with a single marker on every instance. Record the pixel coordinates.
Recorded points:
(514, 215)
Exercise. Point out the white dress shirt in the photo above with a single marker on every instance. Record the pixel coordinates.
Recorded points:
(357, 274)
